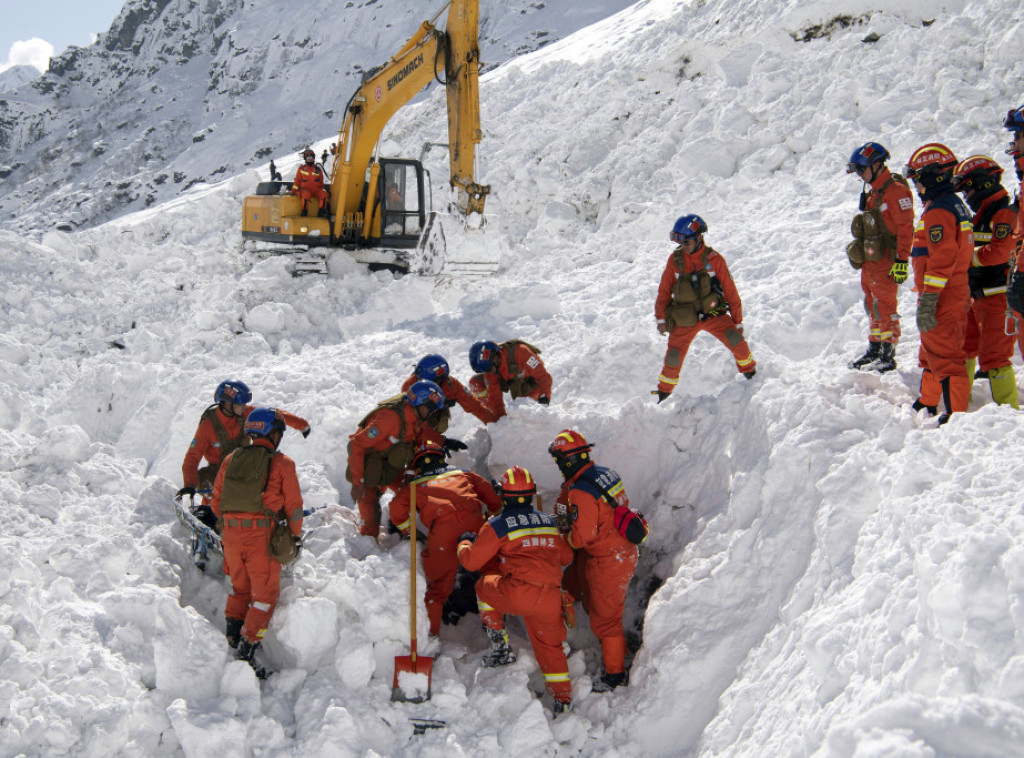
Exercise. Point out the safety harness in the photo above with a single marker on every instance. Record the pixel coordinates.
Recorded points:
(228, 444)
(696, 296)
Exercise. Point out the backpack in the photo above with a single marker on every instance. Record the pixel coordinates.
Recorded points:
(600, 482)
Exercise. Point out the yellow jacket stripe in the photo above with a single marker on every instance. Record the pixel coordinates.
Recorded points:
(931, 280)
(537, 531)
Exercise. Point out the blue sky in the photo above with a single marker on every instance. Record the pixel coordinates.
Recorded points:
(58, 22)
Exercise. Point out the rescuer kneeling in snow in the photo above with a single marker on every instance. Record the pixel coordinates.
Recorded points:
(514, 367)
(254, 487)
(521, 555)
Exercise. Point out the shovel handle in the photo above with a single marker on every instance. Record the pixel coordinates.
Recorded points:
(412, 571)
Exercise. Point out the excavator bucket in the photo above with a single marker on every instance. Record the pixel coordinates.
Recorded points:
(457, 246)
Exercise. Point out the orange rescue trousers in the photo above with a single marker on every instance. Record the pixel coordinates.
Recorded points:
(440, 561)
(541, 610)
(601, 584)
(723, 328)
(942, 354)
(985, 336)
(880, 301)
(369, 511)
(255, 577)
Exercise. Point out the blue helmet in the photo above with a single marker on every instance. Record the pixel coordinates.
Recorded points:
(232, 391)
(866, 155)
(262, 421)
(432, 368)
(687, 227)
(425, 393)
(1014, 120)
(481, 356)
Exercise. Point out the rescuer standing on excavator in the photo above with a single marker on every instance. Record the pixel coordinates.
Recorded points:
(696, 295)
(309, 184)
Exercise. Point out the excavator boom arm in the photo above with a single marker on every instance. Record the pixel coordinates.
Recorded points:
(427, 55)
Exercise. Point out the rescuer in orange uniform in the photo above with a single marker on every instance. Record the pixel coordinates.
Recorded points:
(383, 445)
(696, 295)
(1014, 122)
(448, 502)
(219, 432)
(521, 555)
(605, 560)
(942, 252)
(883, 233)
(434, 368)
(253, 480)
(978, 178)
(513, 366)
(309, 184)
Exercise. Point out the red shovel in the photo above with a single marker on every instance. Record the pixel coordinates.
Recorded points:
(412, 672)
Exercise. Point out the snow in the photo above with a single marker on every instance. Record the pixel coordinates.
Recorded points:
(828, 573)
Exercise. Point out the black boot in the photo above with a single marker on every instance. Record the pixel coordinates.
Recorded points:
(559, 707)
(932, 409)
(233, 631)
(886, 359)
(246, 651)
(661, 395)
(501, 653)
(609, 682)
(874, 350)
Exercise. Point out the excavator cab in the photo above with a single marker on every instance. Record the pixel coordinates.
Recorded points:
(401, 195)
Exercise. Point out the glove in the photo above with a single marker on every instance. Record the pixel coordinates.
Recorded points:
(190, 491)
(1015, 294)
(305, 432)
(926, 305)
(357, 492)
(898, 272)
(467, 536)
(544, 400)
(451, 445)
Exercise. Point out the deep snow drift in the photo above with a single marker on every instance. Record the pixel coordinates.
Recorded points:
(835, 575)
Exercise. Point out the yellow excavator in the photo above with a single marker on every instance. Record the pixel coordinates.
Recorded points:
(379, 209)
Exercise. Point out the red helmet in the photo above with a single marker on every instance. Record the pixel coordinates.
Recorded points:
(569, 442)
(307, 154)
(932, 165)
(977, 173)
(427, 456)
(517, 482)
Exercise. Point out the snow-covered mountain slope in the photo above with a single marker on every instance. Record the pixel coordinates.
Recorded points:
(828, 574)
(180, 92)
